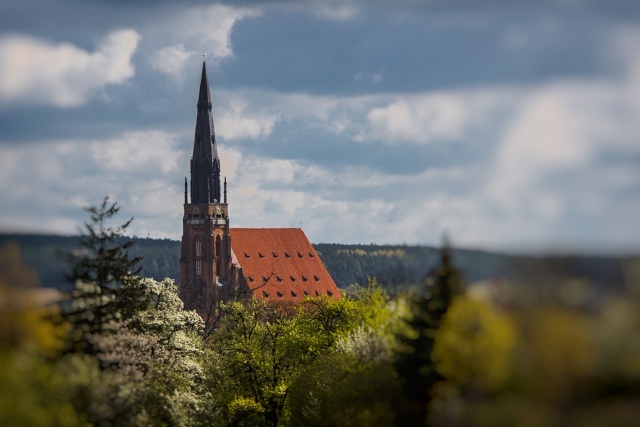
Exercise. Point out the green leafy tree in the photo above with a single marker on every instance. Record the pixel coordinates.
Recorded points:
(261, 348)
(473, 346)
(414, 362)
(341, 389)
(106, 285)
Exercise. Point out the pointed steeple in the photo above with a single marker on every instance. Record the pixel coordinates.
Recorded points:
(204, 97)
(205, 163)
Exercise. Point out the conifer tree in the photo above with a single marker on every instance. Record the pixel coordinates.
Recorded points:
(106, 285)
(414, 364)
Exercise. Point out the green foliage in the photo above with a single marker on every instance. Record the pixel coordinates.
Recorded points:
(414, 355)
(262, 348)
(245, 412)
(107, 287)
(473, 346)
(342, 390)
(24, 322)
(39, 392)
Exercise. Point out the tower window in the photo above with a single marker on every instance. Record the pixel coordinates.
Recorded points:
(198, 248)
(198, 267)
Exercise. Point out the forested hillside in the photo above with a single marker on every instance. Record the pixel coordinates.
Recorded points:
(47, 255)
(394, 266)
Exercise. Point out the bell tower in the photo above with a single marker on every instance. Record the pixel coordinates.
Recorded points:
(206, 245)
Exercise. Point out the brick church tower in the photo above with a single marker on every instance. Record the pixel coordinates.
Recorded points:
(206, 243)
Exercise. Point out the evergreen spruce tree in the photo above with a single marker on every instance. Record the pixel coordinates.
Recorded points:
(413, 359)
(106, 285)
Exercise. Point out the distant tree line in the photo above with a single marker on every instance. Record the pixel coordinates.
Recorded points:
(395, 267)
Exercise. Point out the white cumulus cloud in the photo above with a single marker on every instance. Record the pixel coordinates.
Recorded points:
(172, 60)
(36, 71)
(139, 151)
(237, 121)
(431, 116)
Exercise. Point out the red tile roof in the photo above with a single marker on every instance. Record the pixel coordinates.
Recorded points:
(266, 254)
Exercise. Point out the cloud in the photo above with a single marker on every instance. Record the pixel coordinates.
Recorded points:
(36, 71)
(373, 78)
(556, 165)
(142, 170)
(434, 116)
(236, 121)
(211, 27)
(172, 61)
(137, 152)
(186, 32)
(335, 12)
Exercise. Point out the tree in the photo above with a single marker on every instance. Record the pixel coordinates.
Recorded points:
(106, 285)
(262, 347)
(151, 362)
(414, 362)
(473, 346)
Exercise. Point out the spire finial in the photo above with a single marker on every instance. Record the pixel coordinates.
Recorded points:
(204, 54)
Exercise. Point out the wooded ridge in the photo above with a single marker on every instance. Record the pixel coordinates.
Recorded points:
(394, 266)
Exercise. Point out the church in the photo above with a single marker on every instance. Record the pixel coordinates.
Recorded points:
(217, 262)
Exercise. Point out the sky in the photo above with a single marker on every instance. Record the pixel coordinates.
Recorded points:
(510, 125)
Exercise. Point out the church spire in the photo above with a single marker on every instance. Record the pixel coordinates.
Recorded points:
(205, 163)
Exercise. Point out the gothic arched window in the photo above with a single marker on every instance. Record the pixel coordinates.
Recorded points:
(198, 267)
(198, 248)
